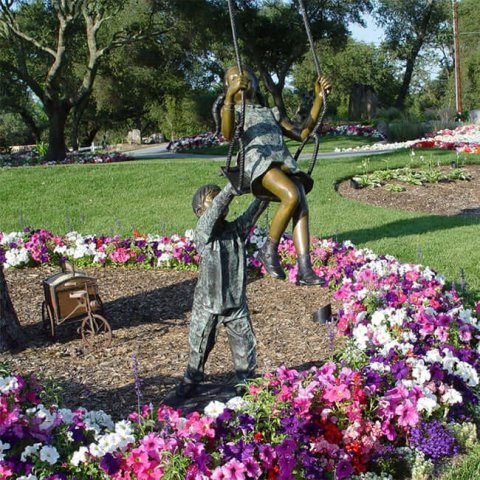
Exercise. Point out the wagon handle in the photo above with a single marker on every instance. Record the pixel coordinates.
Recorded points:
(67, 266)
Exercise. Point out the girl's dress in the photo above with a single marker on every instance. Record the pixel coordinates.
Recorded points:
(264, 146)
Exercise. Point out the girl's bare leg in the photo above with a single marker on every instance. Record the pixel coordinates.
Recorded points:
(301, 239)
(285, 189)
(300, 222)
(278, 183)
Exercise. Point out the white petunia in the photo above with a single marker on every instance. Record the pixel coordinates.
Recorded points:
(16, 257)
(164, 257)
(214, 409)
(360, 335)
(80, 456)
(29, 451)
(3, 447)
(427, 404)
(449, 360)
(12, 237)
(27, 477)
(381, 336)
(47, 418)
(49, 454)
(66, 414)
(419, 371)
(452, 396)
(378, 317)
(8, 384)
(467, 373)
(433, 356)
(237, 404)
(379, 367)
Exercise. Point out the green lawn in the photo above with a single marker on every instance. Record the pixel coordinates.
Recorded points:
(154, 196)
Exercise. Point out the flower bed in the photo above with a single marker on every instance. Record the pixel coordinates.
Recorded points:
(401, 393)
(31, 158)
(209, 139)
(463, 139)
(201, 140)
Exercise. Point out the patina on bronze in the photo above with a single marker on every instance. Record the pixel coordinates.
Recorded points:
(270, 169)
(73, 295)
(220, 294)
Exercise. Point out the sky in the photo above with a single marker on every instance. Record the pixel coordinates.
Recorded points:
(370, 34)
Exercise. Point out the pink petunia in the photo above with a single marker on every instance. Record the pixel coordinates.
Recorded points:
(336, 393)
(407, 414)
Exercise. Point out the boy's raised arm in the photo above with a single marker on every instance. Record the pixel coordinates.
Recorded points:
(216, 211)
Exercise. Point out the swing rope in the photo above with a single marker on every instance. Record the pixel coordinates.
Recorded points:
(237, 137)
(239, 127)
(314, 133)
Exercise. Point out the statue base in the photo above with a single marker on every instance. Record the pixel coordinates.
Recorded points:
(202, 395)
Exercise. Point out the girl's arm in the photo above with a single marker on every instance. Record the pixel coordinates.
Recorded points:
(300, 133)
(227, 112)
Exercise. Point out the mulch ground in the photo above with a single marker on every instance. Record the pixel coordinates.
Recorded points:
(444, 198)
(149, 311)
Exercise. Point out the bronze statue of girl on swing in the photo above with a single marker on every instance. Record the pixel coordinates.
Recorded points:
(270, 168)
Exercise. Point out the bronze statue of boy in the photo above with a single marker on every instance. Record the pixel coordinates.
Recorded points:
(220, 294)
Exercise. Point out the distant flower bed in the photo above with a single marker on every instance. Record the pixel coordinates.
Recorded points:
(353, 130)
(463, 139)
(400, 397)
(31, 158)
(201, 140)
(209, 139)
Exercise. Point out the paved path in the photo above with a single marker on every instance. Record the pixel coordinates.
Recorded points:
(160, 151)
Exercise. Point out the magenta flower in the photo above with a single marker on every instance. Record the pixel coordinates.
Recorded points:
(407, 414)
(336, 393)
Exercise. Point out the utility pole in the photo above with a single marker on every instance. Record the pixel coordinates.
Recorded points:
(458, 82)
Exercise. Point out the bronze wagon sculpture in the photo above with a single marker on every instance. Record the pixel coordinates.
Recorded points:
(73, 295)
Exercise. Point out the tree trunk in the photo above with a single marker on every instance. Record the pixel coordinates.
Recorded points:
(407, 78)
(57, 118)
(275, 90)
(32, 125)
(11, 335)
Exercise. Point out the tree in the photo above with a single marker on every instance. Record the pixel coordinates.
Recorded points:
(410, 26)
(271, 34)
(359, 63)
(274, 38)
(55, 48)
(11, 335)
(16, 99)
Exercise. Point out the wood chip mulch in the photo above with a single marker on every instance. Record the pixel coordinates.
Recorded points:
(149, 311)
(444, 198)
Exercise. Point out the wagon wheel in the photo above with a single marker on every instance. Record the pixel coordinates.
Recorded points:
(96, 331)
(48, 320)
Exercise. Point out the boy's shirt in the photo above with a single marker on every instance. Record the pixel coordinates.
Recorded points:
(222, 277)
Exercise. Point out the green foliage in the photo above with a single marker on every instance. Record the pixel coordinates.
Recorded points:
(428, 173)
(357, 63)
(13, 131)
(410, 27)
(403, 130)
(182, 116)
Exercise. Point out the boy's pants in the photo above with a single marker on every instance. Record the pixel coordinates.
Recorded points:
(202, 336)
